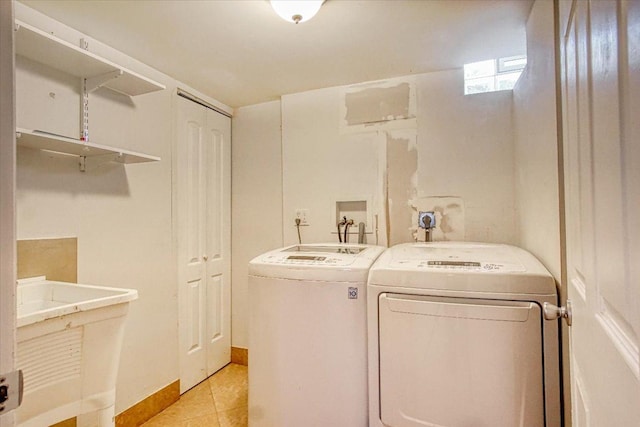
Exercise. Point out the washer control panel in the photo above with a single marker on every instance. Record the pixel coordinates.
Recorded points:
(306, 258)
(288, 259)
(453, 264)
(315, 255)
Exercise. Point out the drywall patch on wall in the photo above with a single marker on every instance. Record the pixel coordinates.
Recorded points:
(377, 104)
(402, 170)
(382, 105)
(449, 212)
(381, 205)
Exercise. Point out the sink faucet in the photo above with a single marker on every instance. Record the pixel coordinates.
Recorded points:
(340, 225)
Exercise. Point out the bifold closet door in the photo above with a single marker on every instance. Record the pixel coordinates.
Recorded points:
(202, 209)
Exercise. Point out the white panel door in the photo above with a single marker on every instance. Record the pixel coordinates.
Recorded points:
(216, 155)
(203, 226)
(601, 119)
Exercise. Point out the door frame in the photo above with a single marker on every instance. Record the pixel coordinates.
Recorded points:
(564, 344)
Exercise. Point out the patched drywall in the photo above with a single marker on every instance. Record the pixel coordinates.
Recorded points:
(448, 145)
(449, 215)
(402, 169)
(377, 104)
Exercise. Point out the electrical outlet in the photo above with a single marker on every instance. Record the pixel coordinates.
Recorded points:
(303, 215)
(426, 219)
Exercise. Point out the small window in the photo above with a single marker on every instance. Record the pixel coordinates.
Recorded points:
(493, 74)
(512, 63)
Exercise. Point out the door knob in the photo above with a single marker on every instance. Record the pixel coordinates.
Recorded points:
(205, 257)
(553, 312)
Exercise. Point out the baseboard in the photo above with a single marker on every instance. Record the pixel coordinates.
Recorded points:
(149, 407)
(71, 422)
(240, 356)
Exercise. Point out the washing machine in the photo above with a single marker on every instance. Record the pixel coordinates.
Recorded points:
(457, 338)
(308, 336)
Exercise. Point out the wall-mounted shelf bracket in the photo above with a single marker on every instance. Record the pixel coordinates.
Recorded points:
(88, 163)
(93, 83)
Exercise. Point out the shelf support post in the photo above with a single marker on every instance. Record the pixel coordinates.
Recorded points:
(84, 103)
(84, 112)
(90, 84)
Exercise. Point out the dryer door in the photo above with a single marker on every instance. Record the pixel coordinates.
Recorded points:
(460, 362)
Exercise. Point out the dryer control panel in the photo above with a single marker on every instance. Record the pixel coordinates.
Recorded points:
(458, 265)
(458, 257)
(473, 266)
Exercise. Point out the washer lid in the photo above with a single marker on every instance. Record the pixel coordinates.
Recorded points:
(462, 266)
(325, 262)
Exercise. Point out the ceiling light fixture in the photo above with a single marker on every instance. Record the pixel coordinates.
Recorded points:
(296, 10)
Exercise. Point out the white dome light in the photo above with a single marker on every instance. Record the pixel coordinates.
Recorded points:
(296, 10)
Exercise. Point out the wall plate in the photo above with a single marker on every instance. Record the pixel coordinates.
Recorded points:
(423, 218)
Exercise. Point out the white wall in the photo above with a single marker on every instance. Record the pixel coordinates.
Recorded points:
(322, 166)
(121, 215)
(256, 200)
(465, 149)
(534, 111)
(446, 147)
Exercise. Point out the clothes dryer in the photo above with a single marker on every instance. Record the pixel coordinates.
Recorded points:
(308, 336)
(457, 338)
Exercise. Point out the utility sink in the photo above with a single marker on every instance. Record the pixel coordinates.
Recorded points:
(69, 338)
(40, 299)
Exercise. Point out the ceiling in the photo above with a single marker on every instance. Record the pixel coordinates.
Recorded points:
(241, 53)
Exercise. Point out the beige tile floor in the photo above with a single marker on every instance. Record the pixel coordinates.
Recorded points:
(219, 401)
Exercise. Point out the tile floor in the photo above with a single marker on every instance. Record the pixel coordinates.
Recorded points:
(219, 401)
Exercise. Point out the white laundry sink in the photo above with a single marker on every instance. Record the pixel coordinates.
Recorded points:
(69, 339)
(40, 299)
